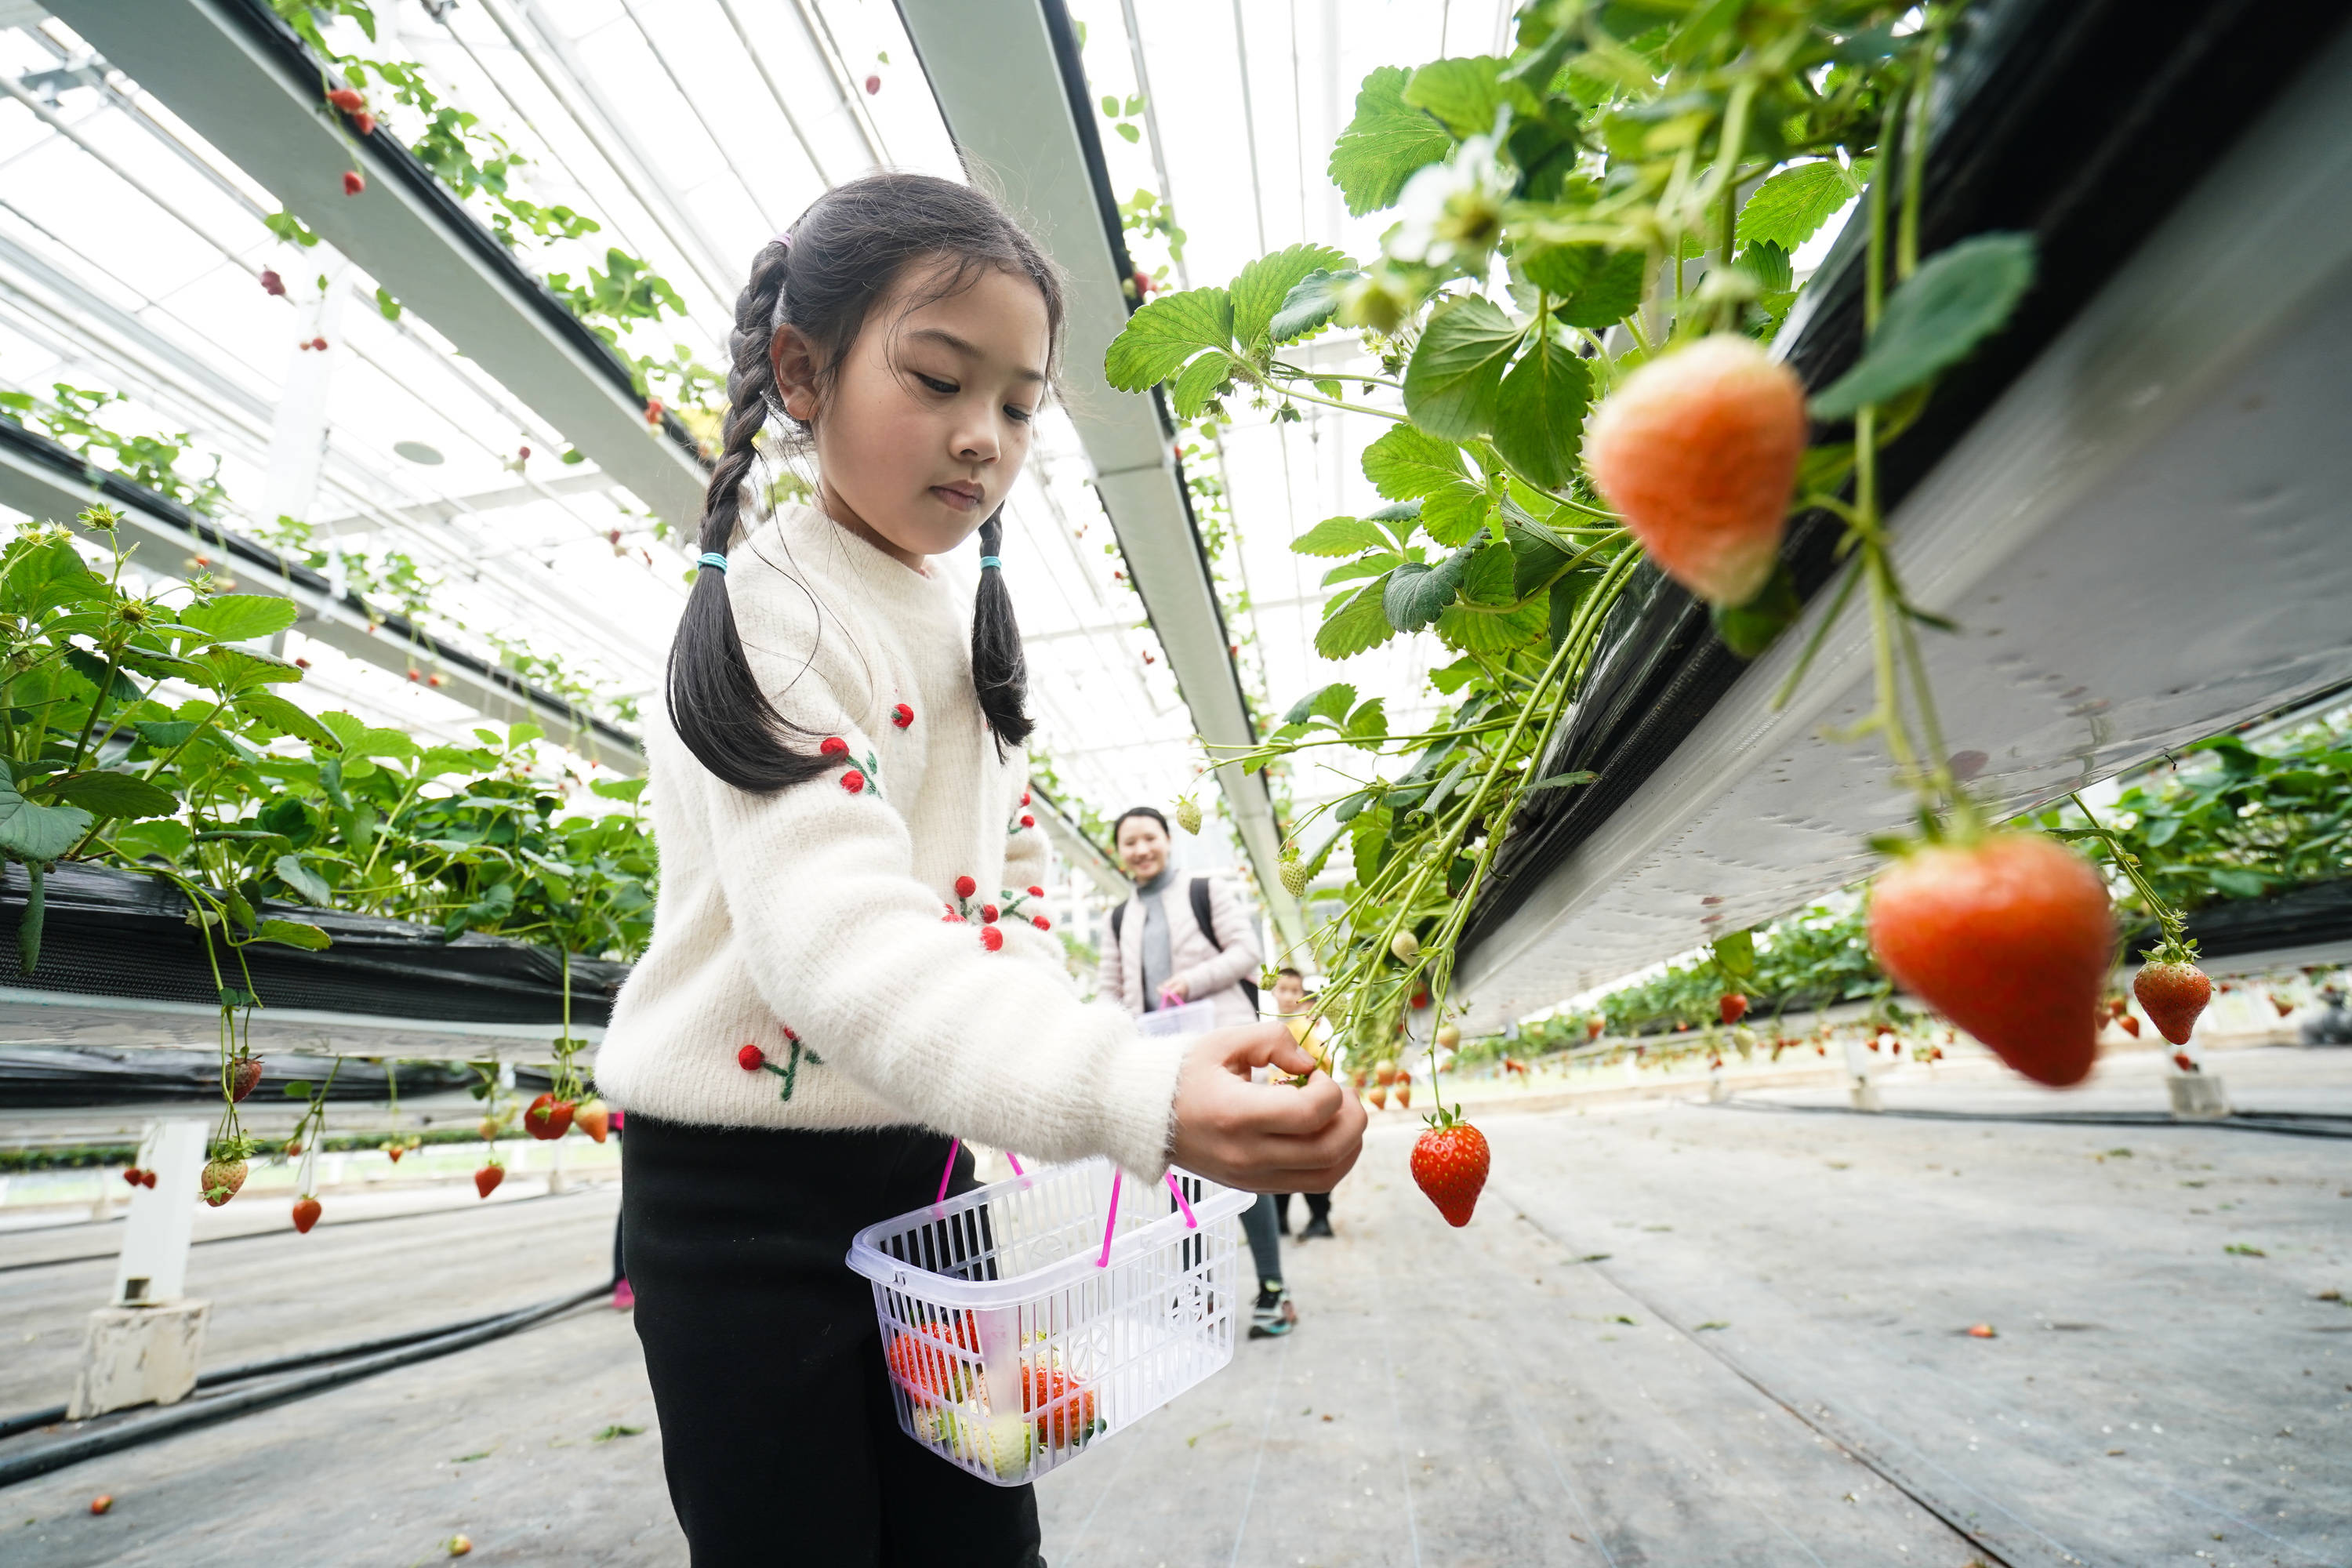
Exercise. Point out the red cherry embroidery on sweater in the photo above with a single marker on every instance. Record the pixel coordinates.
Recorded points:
(966, 887)
(853, 781)
(902, 715)
(988, 914)
(1024, 797)
(790, 1036)
(991, 937)
(1036, 892)
(749, 1059)
(1027, 820)
(834, 746)
(1041, 922)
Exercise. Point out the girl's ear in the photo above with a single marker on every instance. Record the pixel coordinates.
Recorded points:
(794, 360)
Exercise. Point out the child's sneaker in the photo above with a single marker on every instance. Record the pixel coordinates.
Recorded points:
(1273, 1314)
(622, 1296)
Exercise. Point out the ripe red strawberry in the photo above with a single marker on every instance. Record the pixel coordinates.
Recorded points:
(991, 939)
(751, 1058)
(271, 283)
(244, 1073)
(395, 1150)
(220, 1181)
(1592, 1030)
(965, 887)
(873, 85)
(902, 715)
(1064, 1406)
(306, 1214)
(594, 1119)
(2173, 993)
(364, 123)
(1143, 284)
(2128, 1025)
(924, 1360)
(353, 182)
(2281, 1004)
(346, 99)
(1698, 450)
(1731, 1007)
(131, 1175)
(1449, 1162)
(487, 1179)
(2009, 937)
(101, 1503)
(2184, 1061)
(147, 1179)
(293, 1148)
(548, 1118)
(853, 781)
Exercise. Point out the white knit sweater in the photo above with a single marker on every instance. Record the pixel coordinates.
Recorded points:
(820, 908)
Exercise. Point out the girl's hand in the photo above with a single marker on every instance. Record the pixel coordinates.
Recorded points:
(1263, 1137)
(1175, 994)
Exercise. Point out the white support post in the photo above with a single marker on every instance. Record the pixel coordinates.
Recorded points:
(1860, 1090)
(143, 1348)
(297, 439)
(154, 1265)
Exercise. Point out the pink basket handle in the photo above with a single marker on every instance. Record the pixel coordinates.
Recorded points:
(954, 1144)
(1111, 1225)
(1182, 1203)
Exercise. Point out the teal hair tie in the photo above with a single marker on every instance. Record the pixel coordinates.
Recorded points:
(988, 561)
(713, 558)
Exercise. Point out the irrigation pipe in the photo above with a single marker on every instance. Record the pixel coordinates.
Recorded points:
(362, 1361)
(2285, 1123)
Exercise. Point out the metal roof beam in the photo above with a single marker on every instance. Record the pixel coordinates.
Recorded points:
(997, 69)
(42, 479)
(238, 76)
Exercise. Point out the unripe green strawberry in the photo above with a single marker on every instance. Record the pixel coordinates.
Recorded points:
(1294, 876)
(1187, 814)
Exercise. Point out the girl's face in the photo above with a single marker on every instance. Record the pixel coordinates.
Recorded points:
(926, 423)
(1143, 846)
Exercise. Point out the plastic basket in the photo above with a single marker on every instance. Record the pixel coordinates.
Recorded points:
(1028, 1320)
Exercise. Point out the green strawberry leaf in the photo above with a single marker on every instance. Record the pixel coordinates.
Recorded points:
(1337, 536)
(1385, 144)
(1466, 93)
(1790, 207)
(1408, 462)
(1539, 415)
(1960, 297)
(1161, 338)
(279, 714)
(115, 794)
(1265, 287)
(1456, 513)
(36, 835)
(1454, 381)
(1353, 622)
(1308, 307)
(296, 873)
(1592, 288)
(239, 617)
(293, 933)
(1417, 593)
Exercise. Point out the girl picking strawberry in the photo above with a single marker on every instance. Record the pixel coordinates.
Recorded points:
(842, 971)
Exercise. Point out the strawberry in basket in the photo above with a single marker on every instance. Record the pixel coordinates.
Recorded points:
(923, 1360)
(1064, 1406)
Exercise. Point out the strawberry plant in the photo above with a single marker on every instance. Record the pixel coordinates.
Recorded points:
(1561, 333)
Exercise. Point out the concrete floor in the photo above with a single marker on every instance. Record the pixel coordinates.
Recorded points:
(1674, 1334)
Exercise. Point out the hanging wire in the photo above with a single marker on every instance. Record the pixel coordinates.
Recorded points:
(694, 107)
(783, 104)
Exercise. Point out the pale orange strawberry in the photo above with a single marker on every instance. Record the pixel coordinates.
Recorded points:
(1698, 451)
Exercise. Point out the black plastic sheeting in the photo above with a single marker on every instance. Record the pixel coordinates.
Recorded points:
(43, 1076)
(2082, 122)
(2298, 917)
(116, 933)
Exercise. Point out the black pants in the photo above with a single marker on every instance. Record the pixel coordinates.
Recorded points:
(778, 1436)
(1318, 1206)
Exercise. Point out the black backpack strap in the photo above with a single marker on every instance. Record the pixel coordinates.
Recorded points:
(1208, 924)
(1118, 917)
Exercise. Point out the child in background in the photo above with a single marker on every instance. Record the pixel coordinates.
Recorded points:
(838, 787)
